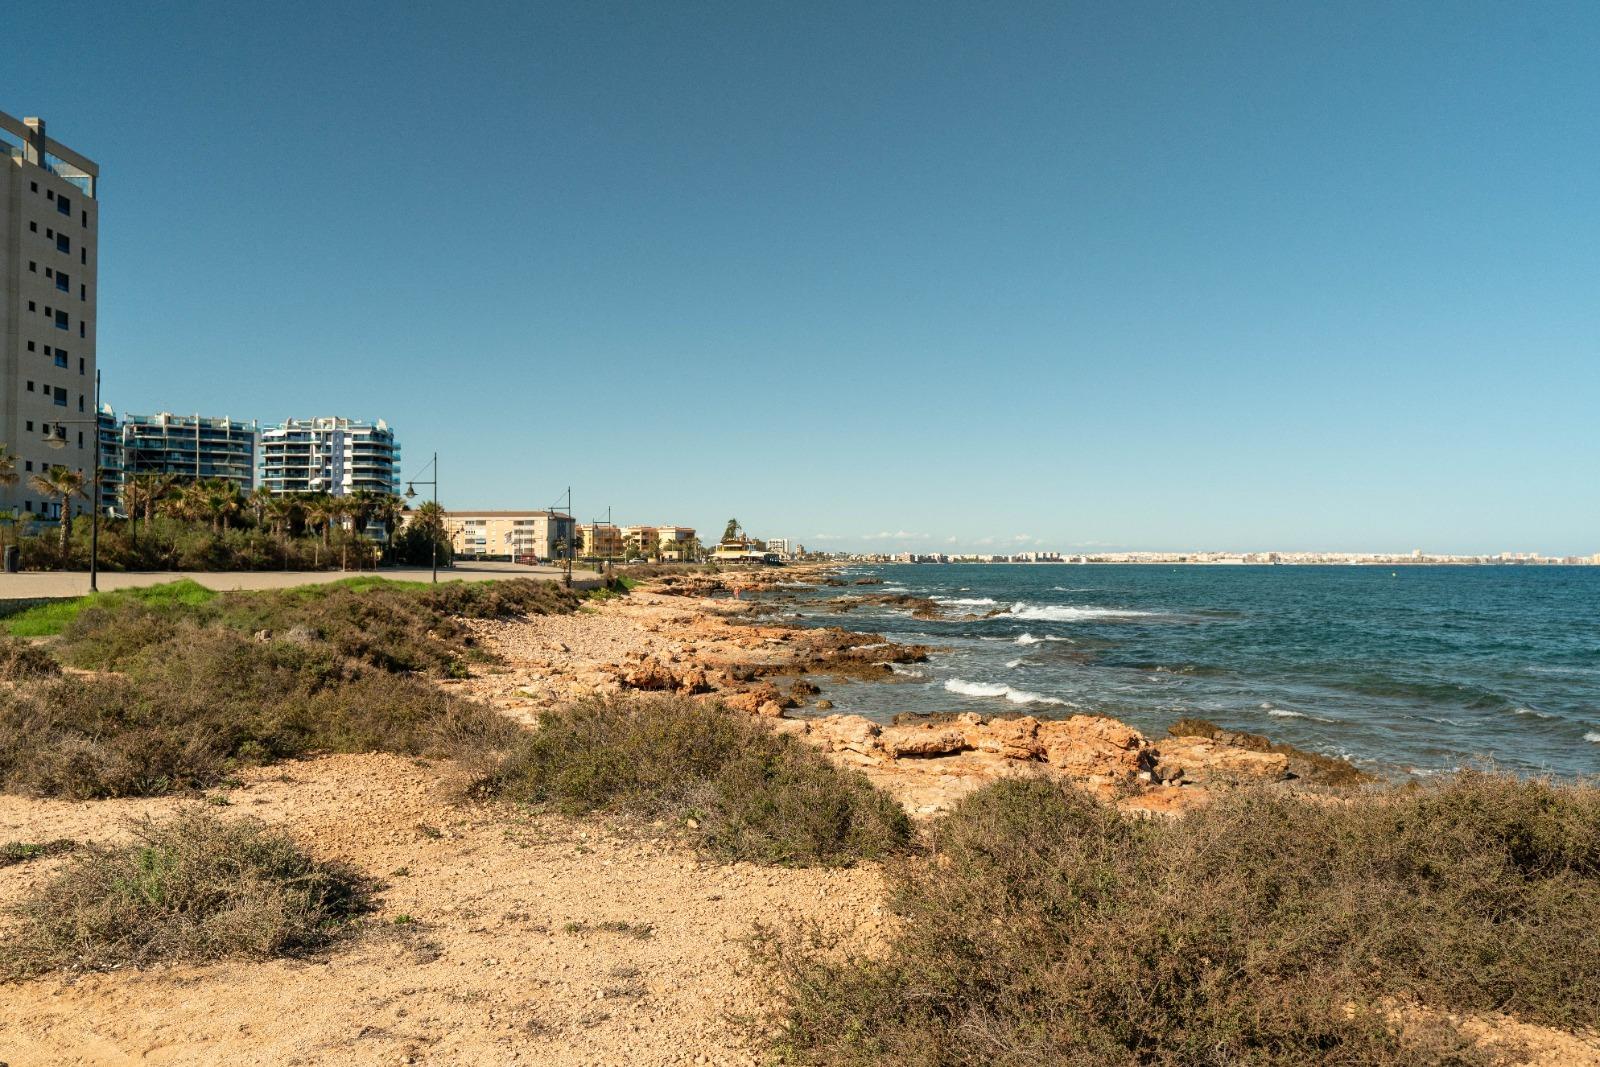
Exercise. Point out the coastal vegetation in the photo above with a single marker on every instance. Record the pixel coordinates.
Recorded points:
(738, 791)
(190, 686)
(195, 888)
(1045, 927)
(212, 525)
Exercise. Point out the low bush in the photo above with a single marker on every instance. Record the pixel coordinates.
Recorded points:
(21, 659)
(1046, 928)
(196, 889)
(742, 792)
(204, 700)
(14, 852)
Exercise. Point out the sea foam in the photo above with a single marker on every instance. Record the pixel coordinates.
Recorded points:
(1029, 639)
(1593, 736)
(1069, 612)
(966, 601)
(996, 689)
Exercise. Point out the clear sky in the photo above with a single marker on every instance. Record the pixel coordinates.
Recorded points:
(1146, 275)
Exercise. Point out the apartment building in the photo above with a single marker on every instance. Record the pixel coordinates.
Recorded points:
(600, 540)
(647, 541)
(508, 535)
(330, 455)
(49, 226)
(111, 472)
(190, 448)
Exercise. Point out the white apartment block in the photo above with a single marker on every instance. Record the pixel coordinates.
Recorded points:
(49, 222)
(330, 455)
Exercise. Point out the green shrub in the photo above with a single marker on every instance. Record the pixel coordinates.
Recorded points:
(14, 852)
(1046, 928)
(205, 699)
(156, 601)
(196, 888)
(749, 794)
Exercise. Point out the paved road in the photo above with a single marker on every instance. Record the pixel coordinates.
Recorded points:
(48, 584)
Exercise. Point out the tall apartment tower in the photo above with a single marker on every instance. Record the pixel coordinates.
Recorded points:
(49, 221)
(330, 455)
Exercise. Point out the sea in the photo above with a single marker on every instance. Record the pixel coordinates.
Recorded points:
(1405, 671)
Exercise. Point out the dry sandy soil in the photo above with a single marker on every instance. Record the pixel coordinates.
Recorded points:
(488, 970)
(485, 947)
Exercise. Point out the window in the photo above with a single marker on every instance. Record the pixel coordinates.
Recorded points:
(63, 244)
(61, 321)
(48, 273)
(64, 205)
(80, 433)
(81, 365)
(60, 397)
(61, 358)
(32, 306)
(83, 331)
(30, 387)
(33, 266)
(27, 505)
(48, 232)
(30, 425)
(86, 220)
(33, 227)
(63, 281)
(49, 194)
(83, 256)
(30, 347)
(83, 291)
(34, 186)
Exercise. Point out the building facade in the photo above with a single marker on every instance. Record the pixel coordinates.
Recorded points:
(510, 535)
(111, 472)
(190, 448)
(49, 226)
(330, 455)
(600, 540)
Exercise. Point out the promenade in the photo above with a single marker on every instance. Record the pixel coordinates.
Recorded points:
(41, 585)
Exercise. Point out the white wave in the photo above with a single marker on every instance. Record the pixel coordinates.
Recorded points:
(908, 672)
(1029, 639)
(895, 589)
(1070, 612)
(1014, 664)
(974, 602)
(1536, 714)
(996, 689)
(1284, 713)
(1593, 736)
(1541, 669)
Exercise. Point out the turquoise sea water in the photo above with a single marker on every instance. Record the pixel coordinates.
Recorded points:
(1407, 670)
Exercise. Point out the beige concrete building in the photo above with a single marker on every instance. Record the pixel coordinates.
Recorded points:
(537, 535)
(600, 540)
(49, 226)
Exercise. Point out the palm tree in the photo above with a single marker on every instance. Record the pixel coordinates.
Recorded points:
(260, 503)
(387, 509)
(61, 483)
(217, 499)
(8, 477)
(360, 506)
(321, 513)
(142, 492)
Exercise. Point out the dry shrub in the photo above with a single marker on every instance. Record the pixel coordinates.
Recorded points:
(22, 660)
(752, 795)
(196, 888)
(208, 699)
(1046, 928)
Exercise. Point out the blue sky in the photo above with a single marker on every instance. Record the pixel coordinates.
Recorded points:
(895, 275)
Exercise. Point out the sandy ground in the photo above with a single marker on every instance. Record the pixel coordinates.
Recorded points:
(49, 584)
(486, 971)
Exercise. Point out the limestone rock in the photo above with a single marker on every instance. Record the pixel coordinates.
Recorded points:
(1201, 760)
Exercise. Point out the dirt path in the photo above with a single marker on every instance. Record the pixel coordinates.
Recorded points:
(489, 968)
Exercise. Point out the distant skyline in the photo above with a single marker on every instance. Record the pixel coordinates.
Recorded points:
(992, 277)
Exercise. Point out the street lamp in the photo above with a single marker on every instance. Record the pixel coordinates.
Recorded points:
(411, 493)
(55, 435)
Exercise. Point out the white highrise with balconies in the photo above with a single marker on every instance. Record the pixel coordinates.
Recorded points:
(332, 455)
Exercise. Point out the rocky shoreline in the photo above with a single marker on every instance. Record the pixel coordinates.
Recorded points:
(705, 635)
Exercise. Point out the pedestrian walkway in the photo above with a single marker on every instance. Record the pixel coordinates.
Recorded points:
(49, 585)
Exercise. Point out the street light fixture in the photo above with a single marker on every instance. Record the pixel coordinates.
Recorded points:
(411, 494)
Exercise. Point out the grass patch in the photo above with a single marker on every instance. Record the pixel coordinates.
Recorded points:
(738, 791)
(194, 889)
(14, 852)
(621, 927)
(1046, 928)
(47, 620)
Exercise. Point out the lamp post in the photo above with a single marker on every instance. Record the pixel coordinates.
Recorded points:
(55, 435)
(411, 493)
